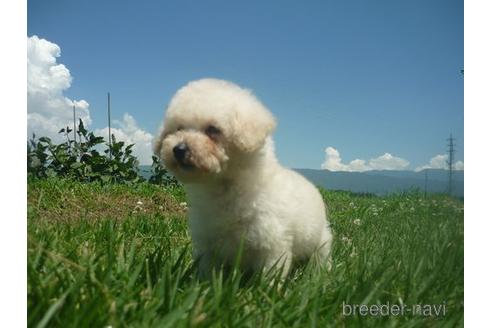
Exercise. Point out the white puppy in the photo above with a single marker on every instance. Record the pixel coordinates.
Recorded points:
(216, 141)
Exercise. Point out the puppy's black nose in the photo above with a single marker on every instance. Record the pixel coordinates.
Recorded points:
(180, 151)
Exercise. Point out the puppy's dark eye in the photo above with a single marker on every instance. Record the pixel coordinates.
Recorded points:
(212, 131)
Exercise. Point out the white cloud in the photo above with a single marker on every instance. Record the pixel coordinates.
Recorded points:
(459, 165)
(333, 162)
(358, 165)
(48, 110)
(440, 162)
(388, 162)
(129, 132)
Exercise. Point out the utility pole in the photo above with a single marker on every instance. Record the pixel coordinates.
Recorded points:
(450, 162)
(74, 126)
(425, 186)
(109, 125)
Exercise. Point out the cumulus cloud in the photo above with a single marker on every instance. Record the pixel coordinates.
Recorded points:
(459, 165)
(129, 132)
(48, 110)
(333, 162)
(388, 162)
(440, 162)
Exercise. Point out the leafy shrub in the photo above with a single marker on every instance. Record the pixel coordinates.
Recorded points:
(81, 160)
(159, 174)
(37, 157)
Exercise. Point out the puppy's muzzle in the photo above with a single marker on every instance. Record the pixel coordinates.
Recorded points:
(181, 151)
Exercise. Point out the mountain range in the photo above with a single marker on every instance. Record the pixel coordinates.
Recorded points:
(378, 182)
(387, 181)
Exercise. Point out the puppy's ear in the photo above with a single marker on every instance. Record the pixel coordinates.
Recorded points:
(251, 127)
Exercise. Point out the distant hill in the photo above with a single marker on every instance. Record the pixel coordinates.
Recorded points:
(376, 182)
(383, 182)
(145, 171)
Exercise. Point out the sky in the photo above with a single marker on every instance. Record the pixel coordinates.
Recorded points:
(354, 85)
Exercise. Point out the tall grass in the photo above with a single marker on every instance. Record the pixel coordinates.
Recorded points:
(120, 256)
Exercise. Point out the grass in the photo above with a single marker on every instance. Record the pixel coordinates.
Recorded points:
(120, 256)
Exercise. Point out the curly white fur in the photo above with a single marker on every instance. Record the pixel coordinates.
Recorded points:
(239, 195)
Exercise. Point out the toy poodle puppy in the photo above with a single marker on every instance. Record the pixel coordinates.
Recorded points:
(216, 140)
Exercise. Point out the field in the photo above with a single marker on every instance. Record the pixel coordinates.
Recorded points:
(120, 256)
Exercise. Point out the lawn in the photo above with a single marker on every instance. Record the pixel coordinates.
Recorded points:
(120, 256)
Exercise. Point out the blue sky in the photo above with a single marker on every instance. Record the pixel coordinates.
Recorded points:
(363, 77)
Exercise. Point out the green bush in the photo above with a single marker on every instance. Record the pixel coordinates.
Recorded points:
(81, 160)
(159, 174)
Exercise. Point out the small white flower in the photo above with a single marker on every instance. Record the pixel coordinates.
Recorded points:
(357, 222)
(346, 240)
(139, 203)
(161, 207)
(183, 204)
